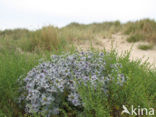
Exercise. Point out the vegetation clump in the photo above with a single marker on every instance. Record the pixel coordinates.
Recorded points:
(145, 46)
(86, 84)
(135, 38)
(141, 30)
(51, 83)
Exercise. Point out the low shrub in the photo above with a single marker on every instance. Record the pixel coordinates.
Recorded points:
(135, 38)
(145, 46)
(87, 84)
(51, 83)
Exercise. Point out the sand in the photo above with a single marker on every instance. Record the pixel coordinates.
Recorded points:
(119, 43)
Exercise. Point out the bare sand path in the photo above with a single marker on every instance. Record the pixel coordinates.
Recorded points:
(118, 41)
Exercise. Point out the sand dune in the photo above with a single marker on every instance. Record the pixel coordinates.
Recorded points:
(118, 41)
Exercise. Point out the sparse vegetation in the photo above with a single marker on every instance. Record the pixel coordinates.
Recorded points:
(145, 46)
(135, 38)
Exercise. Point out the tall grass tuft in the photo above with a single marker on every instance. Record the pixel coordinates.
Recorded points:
(145, 46)
(45, 39)
(145, 28)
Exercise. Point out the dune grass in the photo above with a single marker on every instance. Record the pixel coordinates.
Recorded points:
(78, 31)
(135, 38)
(14, 34)
(51, 38)
(145, 46)
(39, 41)
(141, 30)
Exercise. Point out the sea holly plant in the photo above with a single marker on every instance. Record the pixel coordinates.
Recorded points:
(51, 83)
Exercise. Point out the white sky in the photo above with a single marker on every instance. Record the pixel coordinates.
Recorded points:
(33, 14)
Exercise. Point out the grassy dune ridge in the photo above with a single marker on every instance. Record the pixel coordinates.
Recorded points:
(22, 49)
(52, 38)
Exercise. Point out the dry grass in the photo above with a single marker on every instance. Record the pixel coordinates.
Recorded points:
(141, 30)
(46, 38)
(51, 38)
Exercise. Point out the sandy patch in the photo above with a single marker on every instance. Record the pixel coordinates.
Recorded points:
(118, 41)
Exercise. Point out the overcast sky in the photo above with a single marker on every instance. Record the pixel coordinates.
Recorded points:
(33, 14)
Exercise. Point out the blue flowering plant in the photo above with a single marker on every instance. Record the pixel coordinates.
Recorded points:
(51, 83)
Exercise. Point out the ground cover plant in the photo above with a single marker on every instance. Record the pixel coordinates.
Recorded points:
(52, 80)
(12, 66)
(87, 84)
(124, 82)
(135, 38)
(145, 46)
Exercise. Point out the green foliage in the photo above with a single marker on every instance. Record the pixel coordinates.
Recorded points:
(138, 90)
(45, 39)
(145, 46)
(135, 38)
(15, 34)
(81, 32)
(94, 101)
(2, 114)
(12, 66)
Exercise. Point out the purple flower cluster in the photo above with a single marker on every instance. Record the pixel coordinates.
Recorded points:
(46, 84)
